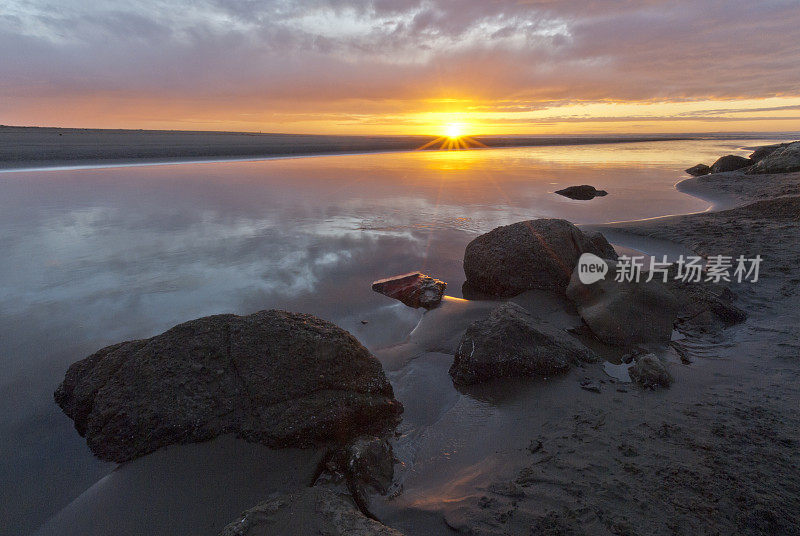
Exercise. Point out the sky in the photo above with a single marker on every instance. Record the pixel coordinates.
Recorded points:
(403, 66)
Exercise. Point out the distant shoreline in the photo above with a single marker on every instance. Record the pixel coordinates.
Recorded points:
(36, 148)
(45, 147)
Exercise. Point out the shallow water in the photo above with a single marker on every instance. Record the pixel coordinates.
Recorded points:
(95, 256)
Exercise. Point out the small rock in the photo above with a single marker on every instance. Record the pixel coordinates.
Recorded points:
(370, 463)
(730, 163)
(308, 511)
(510, 343)
(698, 170)
(630, 356)
(583, 192)
(650, 372)
(414, 289)
(588, 385)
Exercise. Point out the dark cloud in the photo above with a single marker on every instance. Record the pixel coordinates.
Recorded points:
(729, 111)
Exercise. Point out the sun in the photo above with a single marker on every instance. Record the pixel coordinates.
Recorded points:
(453, 136)
(454, 130)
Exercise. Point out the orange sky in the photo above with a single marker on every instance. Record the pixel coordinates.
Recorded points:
(778, 114)
(403, 66)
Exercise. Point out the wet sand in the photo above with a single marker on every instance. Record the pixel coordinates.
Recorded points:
(185, 489)
(35, 147)
(715, 453)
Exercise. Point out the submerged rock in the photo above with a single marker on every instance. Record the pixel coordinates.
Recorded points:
(625, 313)
(534, 254)
(583, 192)
(784, 159)
(510, 343)
(650, 372)
(279, 378)
(414, 289)
(730, 163)
(305, 512)
(698, 170)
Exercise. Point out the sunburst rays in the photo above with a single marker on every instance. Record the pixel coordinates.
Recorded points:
(448, 143)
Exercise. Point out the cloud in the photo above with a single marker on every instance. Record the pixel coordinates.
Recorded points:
(326, 53)
(728, 111)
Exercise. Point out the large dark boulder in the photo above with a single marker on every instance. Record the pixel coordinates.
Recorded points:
(584, 192)
(626, 312)
(730, 163)
(414, 289)
(534, 254)
(307, 512)
(765, 150)
(279, 378)
(784, 159)
(511, 343)
(698, 170)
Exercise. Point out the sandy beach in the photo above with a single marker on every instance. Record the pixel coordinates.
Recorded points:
(586, 452)
(416, 268)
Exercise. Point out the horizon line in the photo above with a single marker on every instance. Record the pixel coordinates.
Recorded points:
(383, 135)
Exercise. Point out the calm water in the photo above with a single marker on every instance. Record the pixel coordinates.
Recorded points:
(94, 256)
